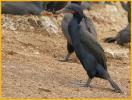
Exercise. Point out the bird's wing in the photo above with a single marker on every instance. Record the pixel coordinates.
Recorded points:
(90, 26)
(93, 47)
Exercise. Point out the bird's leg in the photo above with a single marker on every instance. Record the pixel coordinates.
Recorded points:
(114, 85)
(66, 58)
(88, 83)
(70, 50)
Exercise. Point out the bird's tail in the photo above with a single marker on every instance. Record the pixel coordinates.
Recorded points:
(114, 85)
(110, 40)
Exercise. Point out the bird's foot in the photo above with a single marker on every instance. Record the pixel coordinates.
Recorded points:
(86, 85)
(117, 91)
(65, 60)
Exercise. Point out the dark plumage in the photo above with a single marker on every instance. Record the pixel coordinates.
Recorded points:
(121, 38)
(88, 51)
(86, 24)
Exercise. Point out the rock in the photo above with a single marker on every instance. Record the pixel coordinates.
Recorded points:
(111, 8)
(117, 54)
(50, 24)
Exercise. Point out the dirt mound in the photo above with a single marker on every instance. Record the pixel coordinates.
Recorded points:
(33, 45)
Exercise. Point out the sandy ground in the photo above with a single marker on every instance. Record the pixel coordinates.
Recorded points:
(31, 66)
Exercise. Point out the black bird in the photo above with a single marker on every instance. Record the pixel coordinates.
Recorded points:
(88, 51)
(123, 36)
(86, 24)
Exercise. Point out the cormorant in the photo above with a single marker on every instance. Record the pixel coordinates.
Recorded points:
(121, 38)
(88, 50)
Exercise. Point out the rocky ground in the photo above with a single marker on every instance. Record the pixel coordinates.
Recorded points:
(33, 45)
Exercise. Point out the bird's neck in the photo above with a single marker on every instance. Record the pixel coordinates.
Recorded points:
(78, 17)
(73, 30)
(74, 24)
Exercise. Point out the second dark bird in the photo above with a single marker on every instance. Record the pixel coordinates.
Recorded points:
(87, 49)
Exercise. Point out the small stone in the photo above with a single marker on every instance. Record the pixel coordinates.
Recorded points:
(117, 54)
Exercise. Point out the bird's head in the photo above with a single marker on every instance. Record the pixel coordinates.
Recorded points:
(74, 9)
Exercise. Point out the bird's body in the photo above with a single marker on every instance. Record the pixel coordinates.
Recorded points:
(121, 38)
(88, 51)
(124, 36)
(85, 49)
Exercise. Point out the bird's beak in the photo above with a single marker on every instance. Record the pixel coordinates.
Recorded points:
(60, 11)
(64, 11)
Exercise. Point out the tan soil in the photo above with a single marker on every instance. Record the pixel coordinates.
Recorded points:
(31, 66)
